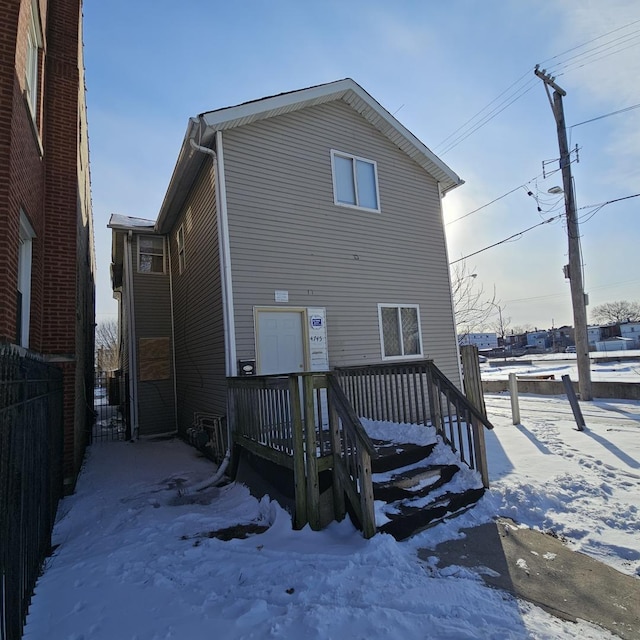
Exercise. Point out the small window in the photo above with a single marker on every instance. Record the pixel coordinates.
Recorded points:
(33, 50)
(180, 243)
(400, 334)
(151, 254)
(355, 181)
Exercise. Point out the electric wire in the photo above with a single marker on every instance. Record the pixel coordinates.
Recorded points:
(606, 115)
(561, 67)
(512, 237)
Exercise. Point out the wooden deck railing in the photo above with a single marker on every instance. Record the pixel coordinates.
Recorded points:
(419, 393)
(304, 422)
(310, 423)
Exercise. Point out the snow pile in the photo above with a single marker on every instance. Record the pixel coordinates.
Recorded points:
(136, 560)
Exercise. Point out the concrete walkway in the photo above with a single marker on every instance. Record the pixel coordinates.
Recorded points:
(539, 568)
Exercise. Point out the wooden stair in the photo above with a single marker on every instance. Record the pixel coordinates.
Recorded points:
(414, 489)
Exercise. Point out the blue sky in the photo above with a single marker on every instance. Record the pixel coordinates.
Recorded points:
(150, 65)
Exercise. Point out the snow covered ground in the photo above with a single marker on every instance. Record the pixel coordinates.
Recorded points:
(559, 364)
(137, 561)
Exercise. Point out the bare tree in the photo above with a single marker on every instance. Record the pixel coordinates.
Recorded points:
(620, 311)
(107, 345)
(519, 329)
(470, 304)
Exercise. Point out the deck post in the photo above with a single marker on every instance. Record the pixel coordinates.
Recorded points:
(480, 450)
(299, 477)
(339, 508)
(313, 488)
(366, 494)
(434, 401)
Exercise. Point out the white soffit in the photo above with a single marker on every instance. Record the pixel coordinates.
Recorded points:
(356, 97)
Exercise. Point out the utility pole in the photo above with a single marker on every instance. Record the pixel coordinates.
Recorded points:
(575, 261)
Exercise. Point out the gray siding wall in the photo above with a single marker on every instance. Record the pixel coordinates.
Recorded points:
(156, 403)
(286, 233)
(199, 326)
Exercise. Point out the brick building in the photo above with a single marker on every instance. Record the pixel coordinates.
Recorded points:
(47, 262)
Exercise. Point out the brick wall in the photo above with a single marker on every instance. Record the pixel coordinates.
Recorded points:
(40, 174)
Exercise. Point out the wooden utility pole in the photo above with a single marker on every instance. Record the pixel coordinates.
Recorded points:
(575, 260)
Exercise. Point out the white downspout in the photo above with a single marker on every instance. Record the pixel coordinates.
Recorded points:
(133, 359)
(173, 339)
(227, 291)
(227, 282)
(231, 367)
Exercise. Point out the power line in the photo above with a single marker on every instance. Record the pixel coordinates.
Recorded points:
(606, 115)
(467, 129)
(515, 235)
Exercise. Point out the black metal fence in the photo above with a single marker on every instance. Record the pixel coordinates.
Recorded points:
(31, 448)
(111, 407)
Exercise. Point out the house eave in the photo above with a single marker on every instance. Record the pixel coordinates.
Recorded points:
(202, 130)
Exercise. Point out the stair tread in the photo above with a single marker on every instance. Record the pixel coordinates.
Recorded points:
(412, 520)
(392, 455)
(423, 481)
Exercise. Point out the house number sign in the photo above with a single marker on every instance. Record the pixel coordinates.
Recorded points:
(319, 353)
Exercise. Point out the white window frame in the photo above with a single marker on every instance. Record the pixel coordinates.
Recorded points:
(402, 356)
(32, 63)
(354, 160)
(152, 253)
(25, 262)
(181, 251)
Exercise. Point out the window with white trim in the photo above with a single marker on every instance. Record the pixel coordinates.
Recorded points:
(23, 289)
(32, 79)
(400, 334)
(180, 243)
(151, 254)
(355, 181)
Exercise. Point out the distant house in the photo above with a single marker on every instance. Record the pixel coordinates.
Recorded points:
(538, 339)
(480, 340)
(593, 335)
(631, 331)
(614, 344)
(47, 263)
(299, 232)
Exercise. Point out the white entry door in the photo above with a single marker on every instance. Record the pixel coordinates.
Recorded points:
(280, 342)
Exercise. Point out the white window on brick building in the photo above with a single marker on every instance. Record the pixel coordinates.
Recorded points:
(23, 289)
(34, 43)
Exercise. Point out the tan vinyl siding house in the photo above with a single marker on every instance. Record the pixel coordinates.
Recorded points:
(307, 216)
(142, 285)
(286, 233)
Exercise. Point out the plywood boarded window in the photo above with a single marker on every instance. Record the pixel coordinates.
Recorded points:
(153, 359)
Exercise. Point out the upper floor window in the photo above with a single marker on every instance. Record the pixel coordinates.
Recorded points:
(181, 254)
(151, 254)
(400, 333)
(355, 181)
(34, 42)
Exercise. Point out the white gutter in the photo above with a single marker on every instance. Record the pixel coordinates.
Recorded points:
(133, 359)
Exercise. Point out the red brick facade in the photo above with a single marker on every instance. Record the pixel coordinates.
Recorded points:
(40, 176)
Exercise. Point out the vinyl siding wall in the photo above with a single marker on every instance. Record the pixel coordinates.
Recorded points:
(198, 320)
(156, 404)
(287, 233)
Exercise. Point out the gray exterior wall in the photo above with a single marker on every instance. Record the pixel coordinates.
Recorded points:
(151, 293)
(198, 320)
(287, 233)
